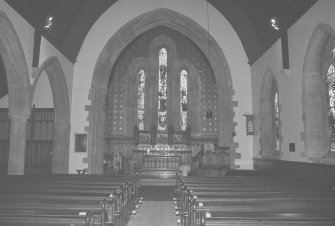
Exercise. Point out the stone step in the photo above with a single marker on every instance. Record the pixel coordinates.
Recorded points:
(151, 181)
(158, 178)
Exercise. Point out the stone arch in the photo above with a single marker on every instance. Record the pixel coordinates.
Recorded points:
(18, 92)
(113, 48)
(54, 71)
(313, 104)
(267, 139)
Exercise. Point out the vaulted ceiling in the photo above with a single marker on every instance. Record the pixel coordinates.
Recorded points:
(74, 18)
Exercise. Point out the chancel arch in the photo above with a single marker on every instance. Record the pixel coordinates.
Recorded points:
(168, 20)
(317, 95)
(270, 124)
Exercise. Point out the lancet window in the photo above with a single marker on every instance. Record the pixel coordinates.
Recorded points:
(162, 90)
(140, 99)
(331, 104)
(183, 99)
(276, 116)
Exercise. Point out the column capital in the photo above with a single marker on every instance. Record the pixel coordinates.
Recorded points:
(19, 116)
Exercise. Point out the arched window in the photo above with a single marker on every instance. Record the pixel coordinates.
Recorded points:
(183, 99)
(162, 90)
(275, 116)
(330, 80)
(158, 86)
(140, 99)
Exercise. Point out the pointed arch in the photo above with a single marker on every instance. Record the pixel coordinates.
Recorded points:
(16, 67)
(114, 47)
(315, 135)
(269, 137)
(18, 92)
(54, 71)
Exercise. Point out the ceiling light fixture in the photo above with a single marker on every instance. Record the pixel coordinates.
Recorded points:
(274, 23)
(48, 22)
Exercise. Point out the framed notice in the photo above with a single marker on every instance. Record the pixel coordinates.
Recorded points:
(249, 118)
(80, 142)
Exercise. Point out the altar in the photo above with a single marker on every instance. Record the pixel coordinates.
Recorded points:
(162, 159)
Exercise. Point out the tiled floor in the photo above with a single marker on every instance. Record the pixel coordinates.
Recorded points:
(155, 213)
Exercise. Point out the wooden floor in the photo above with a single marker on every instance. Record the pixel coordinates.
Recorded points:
(155, 213)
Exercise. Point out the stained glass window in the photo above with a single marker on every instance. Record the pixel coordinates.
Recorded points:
(276, 116)
(331, 104)
(162, 90)
(140, 99)
(183, 99)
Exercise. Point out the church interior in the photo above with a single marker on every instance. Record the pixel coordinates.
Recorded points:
(167, 112)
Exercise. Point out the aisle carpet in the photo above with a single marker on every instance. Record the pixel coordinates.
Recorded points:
(157, 193)
(155, 213)
(157, 208)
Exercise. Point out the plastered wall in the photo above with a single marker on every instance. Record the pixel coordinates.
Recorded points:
(43, 96)
(48, 50)
(4, 102)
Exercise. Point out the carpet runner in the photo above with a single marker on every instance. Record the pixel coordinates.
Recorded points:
(157, 208)
(155, 213)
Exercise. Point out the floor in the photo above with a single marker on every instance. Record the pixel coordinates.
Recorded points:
(157, 208)
(155, 213)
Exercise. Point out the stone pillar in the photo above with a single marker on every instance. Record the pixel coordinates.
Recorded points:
(60, 152)
(17, 143)
(96, 129)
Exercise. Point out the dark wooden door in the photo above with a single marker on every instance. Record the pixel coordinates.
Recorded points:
(39, 143)
(4, 140)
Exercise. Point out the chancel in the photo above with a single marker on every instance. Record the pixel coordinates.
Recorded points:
(178, 112)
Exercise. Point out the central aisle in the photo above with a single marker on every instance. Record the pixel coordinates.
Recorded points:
(157, 208)
(155, 213)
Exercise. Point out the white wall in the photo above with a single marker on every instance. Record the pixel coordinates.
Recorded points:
(122, 12)
(4, 102)
(290, 88)
(43, 96)
(47, 50)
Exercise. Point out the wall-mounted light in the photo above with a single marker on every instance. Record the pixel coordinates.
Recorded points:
(48, 22)
(274, 23)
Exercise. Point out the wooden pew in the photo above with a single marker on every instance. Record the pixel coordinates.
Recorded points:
(225, 203)
(57, 193)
